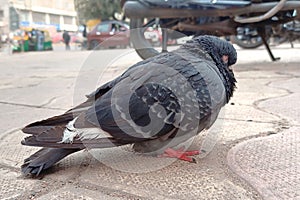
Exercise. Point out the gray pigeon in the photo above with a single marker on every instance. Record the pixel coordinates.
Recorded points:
(156, 105)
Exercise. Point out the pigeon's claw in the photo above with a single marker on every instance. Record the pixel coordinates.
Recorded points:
(180, 154)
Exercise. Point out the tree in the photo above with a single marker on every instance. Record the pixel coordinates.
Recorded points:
(96, 9)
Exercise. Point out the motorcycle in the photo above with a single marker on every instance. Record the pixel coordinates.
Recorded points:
(196, 17)
(248, 38)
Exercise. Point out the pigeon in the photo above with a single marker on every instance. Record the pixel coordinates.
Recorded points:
(155, 105)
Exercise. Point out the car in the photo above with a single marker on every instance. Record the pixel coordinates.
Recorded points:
(116, 31)
(57, 37)
(76, 37)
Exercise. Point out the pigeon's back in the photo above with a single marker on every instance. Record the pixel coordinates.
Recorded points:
(177, 89)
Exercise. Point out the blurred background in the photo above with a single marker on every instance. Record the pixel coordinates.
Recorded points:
(20, 20)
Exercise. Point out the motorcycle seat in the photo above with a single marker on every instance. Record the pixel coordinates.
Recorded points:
(197, 4)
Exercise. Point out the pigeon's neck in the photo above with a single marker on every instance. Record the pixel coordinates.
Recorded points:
(228, 80)
(226, 76)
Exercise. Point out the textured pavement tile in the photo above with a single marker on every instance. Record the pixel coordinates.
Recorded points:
(12, 185)
(247, 113)
(235, 130)
(289, 110)
(161, 178)
(14, 117)
(75, 193)
(270, 164)
(13, 154)
(46, 92)
(174, 182)
(251, 90)
(292, 84)
(260, 56)
(257, 74)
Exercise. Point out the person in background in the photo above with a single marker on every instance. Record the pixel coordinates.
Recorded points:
(40, 40)
(84, 35)
(66, 38)
(84, 32)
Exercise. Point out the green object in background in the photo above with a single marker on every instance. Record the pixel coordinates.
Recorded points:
(39, 41)
(48, 45)
(26, 45)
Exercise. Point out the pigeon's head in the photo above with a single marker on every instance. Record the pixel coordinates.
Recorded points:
(223, 54)
(221, 51)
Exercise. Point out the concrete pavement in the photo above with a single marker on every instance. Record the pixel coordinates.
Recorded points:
(256, 155)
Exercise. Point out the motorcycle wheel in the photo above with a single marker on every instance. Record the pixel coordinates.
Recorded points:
(247, 38)
(248, 43)
(141, 45)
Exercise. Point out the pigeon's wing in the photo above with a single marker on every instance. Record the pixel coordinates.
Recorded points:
(139, 107)
(69, 137)
(156, 98)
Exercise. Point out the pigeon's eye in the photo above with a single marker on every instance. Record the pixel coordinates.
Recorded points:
(225, 59)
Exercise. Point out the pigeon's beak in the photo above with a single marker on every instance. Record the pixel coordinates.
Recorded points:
(225, 59)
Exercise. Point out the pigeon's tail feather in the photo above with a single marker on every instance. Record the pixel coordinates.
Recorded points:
(33, 141)
(44, 159)
(76, 144)
(40, 126)
(44, 125)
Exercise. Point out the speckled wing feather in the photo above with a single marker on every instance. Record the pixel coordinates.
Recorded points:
(171, 92)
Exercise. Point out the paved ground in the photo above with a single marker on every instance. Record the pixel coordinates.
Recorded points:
(256, 155)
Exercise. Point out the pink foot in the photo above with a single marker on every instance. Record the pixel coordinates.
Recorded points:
(180, 154)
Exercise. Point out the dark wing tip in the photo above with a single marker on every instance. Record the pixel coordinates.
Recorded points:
(29, 170)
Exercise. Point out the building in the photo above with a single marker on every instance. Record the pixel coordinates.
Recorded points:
(4, 26)
(36, 13)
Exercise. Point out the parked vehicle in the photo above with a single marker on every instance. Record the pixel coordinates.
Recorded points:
(196, 17)
(30, 39)
(249, 38)
(116, 31)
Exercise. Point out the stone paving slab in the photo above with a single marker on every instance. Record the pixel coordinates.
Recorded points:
(247, 113)
(12, 152)
(58, 92)
(289, 110)
(232, 130)
(75, 193)
(292, 85)
(250, 90)
(13, 117)
(270, 164)
(11, 185)
(260, 56)
(175, 181)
